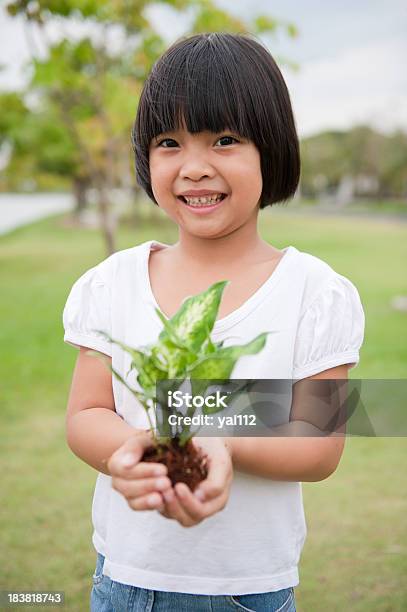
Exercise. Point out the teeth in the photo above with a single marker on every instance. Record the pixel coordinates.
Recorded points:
(203, 201)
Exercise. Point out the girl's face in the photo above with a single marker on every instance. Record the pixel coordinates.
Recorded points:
(224, 163)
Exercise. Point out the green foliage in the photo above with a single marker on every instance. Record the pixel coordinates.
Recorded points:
(145, 56)
(263, 23)
(219, 365)
(196, 317)
(39, 143)
(92, 92)
(184, 350)
(270, 25)
(359, 153)
(13, 111)
(292, 30)
(210, 18)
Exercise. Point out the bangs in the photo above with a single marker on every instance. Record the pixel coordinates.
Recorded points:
(197, 90)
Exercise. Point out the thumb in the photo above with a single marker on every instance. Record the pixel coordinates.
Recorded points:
(216, 481)
(130, 453)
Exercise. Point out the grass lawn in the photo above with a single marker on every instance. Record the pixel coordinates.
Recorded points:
(355, 554)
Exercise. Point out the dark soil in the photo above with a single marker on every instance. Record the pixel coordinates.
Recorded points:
(185, 463)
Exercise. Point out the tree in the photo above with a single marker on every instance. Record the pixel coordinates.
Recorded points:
(375, 162)
(39, 146)
(92, 91)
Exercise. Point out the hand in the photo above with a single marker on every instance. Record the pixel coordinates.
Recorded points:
(211, 494)
(140, 482)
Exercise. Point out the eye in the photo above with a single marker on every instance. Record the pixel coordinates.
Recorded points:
(228, 138)
(166, 140)
(160, 143)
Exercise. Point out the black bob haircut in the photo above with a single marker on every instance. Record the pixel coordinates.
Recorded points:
(217, 81)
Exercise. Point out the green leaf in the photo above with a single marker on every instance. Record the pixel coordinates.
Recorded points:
(221, 363)
(195, 319)
(170, 331)
(185, 334)
(176, 359)
(251, 348)
(148, 371)
(209, 347)
(219, 366)
(213, 367)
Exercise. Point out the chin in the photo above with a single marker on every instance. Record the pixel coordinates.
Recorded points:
(209, 233)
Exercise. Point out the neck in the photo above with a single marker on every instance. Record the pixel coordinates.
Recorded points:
(243, 245)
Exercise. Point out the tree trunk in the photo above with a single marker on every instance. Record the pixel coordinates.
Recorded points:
(108, 221)
(80, 186)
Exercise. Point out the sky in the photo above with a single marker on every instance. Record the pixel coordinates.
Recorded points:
(351, 56)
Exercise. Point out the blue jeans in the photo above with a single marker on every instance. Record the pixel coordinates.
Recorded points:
(110, 596)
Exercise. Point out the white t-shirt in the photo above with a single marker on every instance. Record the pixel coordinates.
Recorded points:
(254, 544)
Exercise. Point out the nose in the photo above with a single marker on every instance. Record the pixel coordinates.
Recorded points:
(195, 168)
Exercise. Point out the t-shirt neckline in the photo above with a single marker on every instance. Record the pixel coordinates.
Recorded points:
(233, 317)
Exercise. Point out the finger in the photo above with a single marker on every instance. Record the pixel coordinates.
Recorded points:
(129, 453)
(196, 509)
(175, 510)
(189, 503)
(137, 488)
(153, 501)
(215, 483)
(164, 512)
(144, 469)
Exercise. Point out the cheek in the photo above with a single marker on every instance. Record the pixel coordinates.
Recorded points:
(249, 178)
(160, 180)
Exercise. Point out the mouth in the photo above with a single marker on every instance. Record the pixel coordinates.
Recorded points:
(203, 204)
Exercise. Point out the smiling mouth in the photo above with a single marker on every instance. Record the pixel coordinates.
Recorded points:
(202, 202)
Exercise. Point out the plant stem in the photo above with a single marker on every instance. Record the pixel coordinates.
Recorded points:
(152, 428)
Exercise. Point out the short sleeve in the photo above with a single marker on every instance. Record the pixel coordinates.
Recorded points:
(331, 330)
(87, 311)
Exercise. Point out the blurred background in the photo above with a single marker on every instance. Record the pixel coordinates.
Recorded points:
(71, 73)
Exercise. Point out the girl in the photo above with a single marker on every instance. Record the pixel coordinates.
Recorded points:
(215, 142)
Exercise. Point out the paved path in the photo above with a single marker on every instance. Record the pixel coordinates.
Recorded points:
(18, 209)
